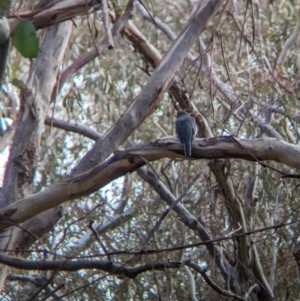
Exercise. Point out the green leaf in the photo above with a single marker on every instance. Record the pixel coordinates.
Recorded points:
(25, 39)
(15, 82)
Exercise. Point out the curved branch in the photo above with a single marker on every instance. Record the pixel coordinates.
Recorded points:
(154, 89)
(142, 106)
(75, 265)
(210, 74)
(133, 158)
(87, 56)
(72, 127)
(38, 281)
(55, 13)
(289, 42)
(213, 284)
(282, 111)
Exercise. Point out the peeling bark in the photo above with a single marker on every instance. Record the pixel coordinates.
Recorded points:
(35, 99)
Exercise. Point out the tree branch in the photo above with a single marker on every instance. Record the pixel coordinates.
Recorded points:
(38, 281)
(130, 160)
(289, 42)
(211, 283)
(72, 127)
(139, 109)
(106, 24)
(154, 89)
(55, 13)
(187, 218)
(75, 265)
(101, 46)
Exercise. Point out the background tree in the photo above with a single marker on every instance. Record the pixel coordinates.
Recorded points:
(98, 201)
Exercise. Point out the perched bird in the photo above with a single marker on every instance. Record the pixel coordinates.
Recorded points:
(186, 130)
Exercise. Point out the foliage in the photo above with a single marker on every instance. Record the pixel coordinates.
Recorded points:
(24, 38)
(242, 52)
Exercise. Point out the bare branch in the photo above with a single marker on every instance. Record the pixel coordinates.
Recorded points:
(90, 226)
(182, 247)
(192, 284)
(289, 42)
(171, 207)
(90, 55)
(106, 24)
(38, 281)
(75, 265)
(72, 127)
(130, 160)
(187, 218)
(55, 13)
(211, 283)
(154, 89)
(281, 110)
(108, 224)
(210, 74)
(259, 273)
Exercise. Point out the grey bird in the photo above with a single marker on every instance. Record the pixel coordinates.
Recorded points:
(186, 131)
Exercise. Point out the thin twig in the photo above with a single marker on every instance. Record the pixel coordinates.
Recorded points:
(283, 174)
(90, 55)
(165, 213)
(90, 226)
(48, 280)
(211, 283)
(176, 248)
(59, 287)
(243, 28)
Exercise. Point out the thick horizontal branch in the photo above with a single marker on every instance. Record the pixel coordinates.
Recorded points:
(154, 90)
(55, 13)
(133, 158)
(75, 265)
(72, 127)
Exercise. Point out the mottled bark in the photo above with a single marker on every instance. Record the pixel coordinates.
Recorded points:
(34, 101)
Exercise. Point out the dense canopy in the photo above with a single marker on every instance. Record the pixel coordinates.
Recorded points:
(98, 201)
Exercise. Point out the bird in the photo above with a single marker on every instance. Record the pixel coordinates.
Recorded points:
(186, 131)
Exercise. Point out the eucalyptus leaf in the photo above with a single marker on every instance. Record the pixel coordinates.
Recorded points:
(25, 39)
